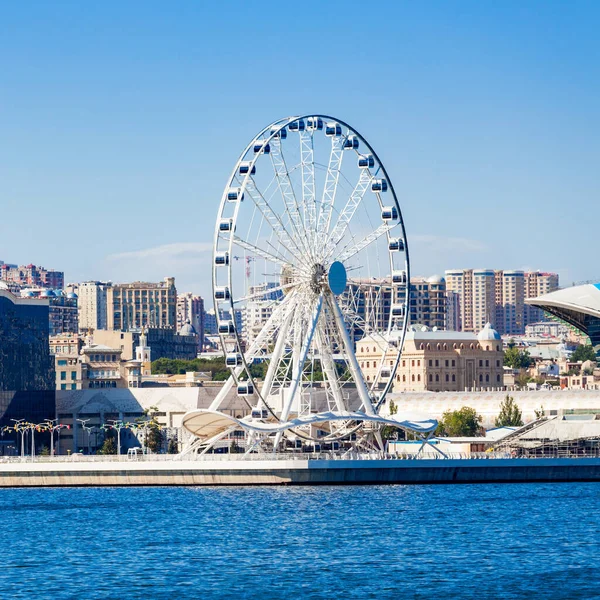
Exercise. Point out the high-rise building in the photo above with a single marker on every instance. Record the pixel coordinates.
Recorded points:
(498, 297)
(190, 309)
(258, 311)
(510, 302)
(141, 304)
(30, 275)
(452, 311)
(93, 305)
(428, 304)
(537, 284)
(25, 361)
(63, 315)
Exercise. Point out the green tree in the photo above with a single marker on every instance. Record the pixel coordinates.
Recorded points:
(387, 431)
(583, 353)
(510, 414)
(464, 422)
(522, 379)
(155, 438)
(109, 446)
(44, 451)
(516, 359)
(172, 448)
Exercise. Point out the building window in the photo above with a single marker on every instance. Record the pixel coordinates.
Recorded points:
(63, 375)
(368, 378)
(413, 377)
(430, 377)
(497, 363)
(446, 363)
(418, 378)
(487, 363)
(419, 363)
(453, 363)
(453, 377)
(481, 363)
(480, 378)
(413, 363)
(63, 386)
(498, 378)
(73, 386)
(368, 364)
(487, 378)
(447, 377)
(73, 375)
(404, 378)
(437, 377)
(430, 362)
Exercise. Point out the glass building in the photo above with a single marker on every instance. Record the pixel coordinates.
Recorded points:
(26, 366)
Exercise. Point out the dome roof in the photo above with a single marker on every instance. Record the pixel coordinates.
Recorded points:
(71, 295)
(187, 329)
(435, 279)
(47, 294)
(488, 333)
(29, 294)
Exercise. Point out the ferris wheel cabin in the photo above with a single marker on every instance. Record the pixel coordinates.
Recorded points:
(366, 161)
(333, 129)
(389, 213)
(351, 143)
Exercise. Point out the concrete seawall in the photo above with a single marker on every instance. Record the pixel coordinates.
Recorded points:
(296, 472)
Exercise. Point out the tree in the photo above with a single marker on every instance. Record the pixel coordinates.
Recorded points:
(464, 422)
(387, 431)
(516, 359)
(109, 446)
(522, 379)
(583, 353)
(172, 447)
(510, 414)
(155, 438)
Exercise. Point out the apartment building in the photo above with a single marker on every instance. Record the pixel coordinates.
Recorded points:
(141, 304)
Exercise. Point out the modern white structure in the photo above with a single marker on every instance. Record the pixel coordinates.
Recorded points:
(312, 205)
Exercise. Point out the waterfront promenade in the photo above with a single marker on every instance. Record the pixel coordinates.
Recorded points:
(240, 470)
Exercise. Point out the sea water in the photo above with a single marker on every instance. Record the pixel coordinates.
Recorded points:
(422, 541)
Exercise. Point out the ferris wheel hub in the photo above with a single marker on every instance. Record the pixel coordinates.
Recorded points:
(337, 278)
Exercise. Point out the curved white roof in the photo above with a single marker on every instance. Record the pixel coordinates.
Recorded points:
(572, 304)
(208, 423)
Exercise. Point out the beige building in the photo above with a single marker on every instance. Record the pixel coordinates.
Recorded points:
(140, 304)
(498, 297)
(92, 305)
(428, 301)
(439, 360)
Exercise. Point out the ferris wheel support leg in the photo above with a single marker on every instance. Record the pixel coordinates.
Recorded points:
(300, 367)
(361, 387)
(277, 352)
(329, 370)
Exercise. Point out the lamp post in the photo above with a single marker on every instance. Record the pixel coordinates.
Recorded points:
(118, 425)
(19, 427)
(51, 426)
(87, 428)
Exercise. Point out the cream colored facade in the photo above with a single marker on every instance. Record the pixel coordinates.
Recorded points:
(440, 361)
(498, 297)
(140, 304)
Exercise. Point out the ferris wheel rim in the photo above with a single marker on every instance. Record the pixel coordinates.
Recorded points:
(274, 130)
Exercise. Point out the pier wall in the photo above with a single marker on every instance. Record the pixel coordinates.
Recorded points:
(296, 472)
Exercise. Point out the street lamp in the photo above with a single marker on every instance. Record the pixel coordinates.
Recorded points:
(118, 425)
(19, 427)
(87, 428)
(52, 427)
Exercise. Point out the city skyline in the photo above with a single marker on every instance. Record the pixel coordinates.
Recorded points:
(122, 132)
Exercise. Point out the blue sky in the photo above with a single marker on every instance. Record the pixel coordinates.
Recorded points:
(120, 123)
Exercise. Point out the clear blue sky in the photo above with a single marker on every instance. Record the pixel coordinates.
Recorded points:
(120, 123)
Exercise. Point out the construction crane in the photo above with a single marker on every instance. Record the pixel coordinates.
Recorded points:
(248, 260)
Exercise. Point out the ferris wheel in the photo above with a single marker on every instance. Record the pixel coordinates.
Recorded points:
(310, 248)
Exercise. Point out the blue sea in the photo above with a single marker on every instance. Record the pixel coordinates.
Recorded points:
(462, 541)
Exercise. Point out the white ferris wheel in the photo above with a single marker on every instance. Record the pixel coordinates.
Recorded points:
(310, 243)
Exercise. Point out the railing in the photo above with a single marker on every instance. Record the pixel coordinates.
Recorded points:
(322, 456)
